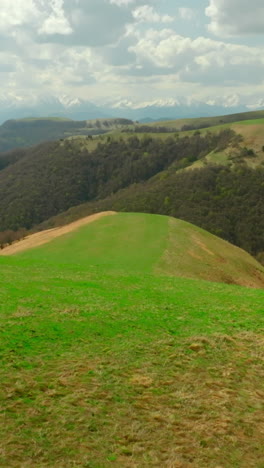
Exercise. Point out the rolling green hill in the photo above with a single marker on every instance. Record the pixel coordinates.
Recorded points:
(109, 360)
(148, 244)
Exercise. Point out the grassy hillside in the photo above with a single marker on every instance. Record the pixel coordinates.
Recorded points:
(106, 362)
(147, 244)
(250, 150)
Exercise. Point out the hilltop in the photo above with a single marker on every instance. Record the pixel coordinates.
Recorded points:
(143, 243)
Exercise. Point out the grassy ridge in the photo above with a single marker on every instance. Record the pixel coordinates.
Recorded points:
(150, 244)
(116, 367)
(126, 242)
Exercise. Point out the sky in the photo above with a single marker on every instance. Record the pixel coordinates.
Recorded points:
(133, 51)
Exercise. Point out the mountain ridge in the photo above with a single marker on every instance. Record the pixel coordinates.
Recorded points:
(81, 109)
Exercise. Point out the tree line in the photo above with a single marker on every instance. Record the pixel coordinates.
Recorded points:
(52, 177)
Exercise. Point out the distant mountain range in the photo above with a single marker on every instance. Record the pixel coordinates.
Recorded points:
(18, 107)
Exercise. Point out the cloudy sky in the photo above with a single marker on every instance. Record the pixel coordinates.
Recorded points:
(134, 50)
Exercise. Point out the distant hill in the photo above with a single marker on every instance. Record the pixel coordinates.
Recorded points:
(248, 126)
(30, 131)
(144, 243)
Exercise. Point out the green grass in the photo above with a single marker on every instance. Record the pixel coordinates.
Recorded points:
(108, 362)
(115, 243)
(252, 122)
(149, 244)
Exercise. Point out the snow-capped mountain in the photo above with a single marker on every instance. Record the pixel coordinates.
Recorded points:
(17, 107)
(172, 109)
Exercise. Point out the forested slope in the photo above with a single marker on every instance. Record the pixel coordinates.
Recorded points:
(56, 176)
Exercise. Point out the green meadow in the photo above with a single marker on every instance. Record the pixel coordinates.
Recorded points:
(111, 357)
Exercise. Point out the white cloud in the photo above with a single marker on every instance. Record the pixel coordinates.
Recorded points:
(56, 23)
(122, 2)
(147, 14)
(187, 13)
(92, 23)
(14, 13)
(119, 47)
(198, 60)
(236, 17)
(89, 23)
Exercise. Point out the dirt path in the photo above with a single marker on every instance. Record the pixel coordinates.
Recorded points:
(43, 237)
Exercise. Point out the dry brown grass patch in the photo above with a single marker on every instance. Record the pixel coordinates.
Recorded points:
(178, 408)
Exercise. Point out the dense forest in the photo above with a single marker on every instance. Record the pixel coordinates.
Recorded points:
(135, 174)
(53, 177)
(11, 157)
